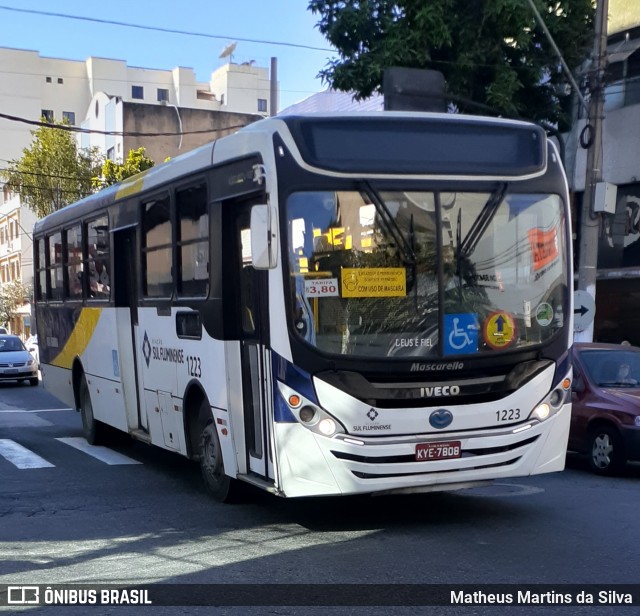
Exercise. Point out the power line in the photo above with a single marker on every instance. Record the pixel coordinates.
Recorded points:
(165, 30)
(77, 129)
(43, 175)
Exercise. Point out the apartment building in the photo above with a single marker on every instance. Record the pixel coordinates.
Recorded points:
(16, 258)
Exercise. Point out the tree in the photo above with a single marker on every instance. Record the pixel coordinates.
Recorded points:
(12, 295)
(136, 161)
(53, 171)
(491, 52)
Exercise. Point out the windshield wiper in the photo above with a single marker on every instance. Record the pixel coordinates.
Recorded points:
(408, 256)
(481, 223)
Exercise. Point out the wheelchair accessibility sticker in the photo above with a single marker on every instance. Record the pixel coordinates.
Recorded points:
(460, 333)
(499, 330)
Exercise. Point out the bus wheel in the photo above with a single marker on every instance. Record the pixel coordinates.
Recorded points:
(91, 429)
(606, 450)
(218, 483)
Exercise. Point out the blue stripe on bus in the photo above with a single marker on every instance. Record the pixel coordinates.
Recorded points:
(299, 380)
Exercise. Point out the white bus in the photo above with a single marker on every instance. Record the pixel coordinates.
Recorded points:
(324, 305)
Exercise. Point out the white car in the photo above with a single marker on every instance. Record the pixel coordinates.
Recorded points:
(33, 348)
(3, 330)
(16, 363)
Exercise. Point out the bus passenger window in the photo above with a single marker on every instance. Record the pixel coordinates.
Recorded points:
(193, 241)
(73, 259)
(157, 248)
(55, 266)
(41, 275)
(98, 259)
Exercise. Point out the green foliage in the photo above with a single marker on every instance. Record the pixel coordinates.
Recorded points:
(491, 52)
(12, 295)
(136, 161)
(53, 171)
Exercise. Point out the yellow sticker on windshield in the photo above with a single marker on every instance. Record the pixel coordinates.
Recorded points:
(374, 282)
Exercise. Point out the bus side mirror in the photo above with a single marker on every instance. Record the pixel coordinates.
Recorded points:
(264, 237)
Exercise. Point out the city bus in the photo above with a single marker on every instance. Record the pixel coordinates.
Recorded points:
(324, 304)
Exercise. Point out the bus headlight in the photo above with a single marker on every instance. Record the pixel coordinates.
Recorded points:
(553, 402)
(310, 415)
(327, 426)
(541, 412)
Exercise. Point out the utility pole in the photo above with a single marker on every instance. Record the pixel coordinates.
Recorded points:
(590, 220)
(273, 88)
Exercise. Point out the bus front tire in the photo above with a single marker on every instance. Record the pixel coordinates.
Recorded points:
(218, 484)
(91, 429)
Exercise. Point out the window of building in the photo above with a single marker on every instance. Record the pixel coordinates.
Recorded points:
(70, 117)
(262, 105)
(137, 92)
(48, 79)
(60, 80)
(163, 95)
(99, 281)
(193, 241)
(111, 155)
(47, 114)
(74, 263)
(157, 248)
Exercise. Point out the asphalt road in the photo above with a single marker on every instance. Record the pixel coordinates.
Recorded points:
(138, 515)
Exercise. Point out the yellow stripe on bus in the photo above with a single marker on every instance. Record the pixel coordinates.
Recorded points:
(131, 187)
(79, 338)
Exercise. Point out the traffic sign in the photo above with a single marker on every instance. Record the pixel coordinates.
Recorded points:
(584, 309)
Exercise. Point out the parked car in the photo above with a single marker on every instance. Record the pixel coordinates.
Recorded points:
(605, 416)
(33, 348)
(3, 330)
(16, 363)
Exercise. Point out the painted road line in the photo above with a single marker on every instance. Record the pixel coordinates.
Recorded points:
(21, 456)
(36, 411)
(104, 454)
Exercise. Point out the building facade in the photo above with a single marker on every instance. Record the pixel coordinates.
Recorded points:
(617, 315)
(16, 255)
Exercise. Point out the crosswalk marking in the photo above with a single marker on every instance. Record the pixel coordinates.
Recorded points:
(21, 456)
(108, 456)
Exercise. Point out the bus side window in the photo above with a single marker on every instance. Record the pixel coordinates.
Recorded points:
(188, 325)
(99, 285)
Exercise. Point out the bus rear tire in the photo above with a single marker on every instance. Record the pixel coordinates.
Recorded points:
(218, 483)
(92, 430)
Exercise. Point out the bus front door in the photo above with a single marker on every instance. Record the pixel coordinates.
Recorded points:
(254, 351)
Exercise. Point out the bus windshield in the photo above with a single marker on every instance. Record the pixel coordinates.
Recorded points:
(426, 274)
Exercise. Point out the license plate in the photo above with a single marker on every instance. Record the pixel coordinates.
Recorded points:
(11, 371)
(438, 451)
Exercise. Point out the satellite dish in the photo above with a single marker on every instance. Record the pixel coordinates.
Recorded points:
(228, 50)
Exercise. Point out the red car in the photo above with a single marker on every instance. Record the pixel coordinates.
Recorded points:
(605, 416)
